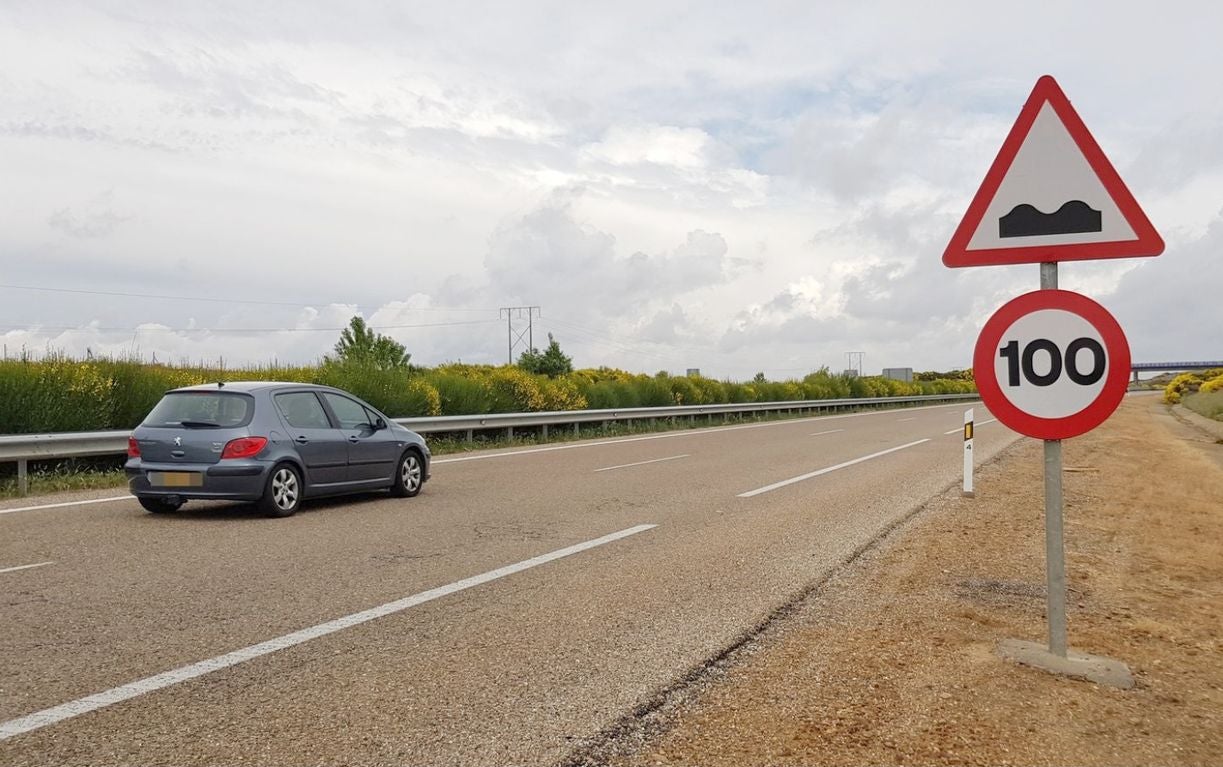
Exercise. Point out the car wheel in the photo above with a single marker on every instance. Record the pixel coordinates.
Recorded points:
(283, 495)
(159, 505)
(409, 476)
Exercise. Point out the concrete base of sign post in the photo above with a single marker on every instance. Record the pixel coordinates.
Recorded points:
(1093, 668)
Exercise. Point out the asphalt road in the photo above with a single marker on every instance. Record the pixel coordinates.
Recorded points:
(520, 605)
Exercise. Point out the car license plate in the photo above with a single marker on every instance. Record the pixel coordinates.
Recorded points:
(176, 479)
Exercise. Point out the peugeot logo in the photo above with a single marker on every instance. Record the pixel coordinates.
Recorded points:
(178, 441)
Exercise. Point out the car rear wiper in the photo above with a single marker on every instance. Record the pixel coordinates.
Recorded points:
(199, 425)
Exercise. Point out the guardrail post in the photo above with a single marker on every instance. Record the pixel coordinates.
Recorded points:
(577, 429)
(23, 479)
(545, 434)
(470, 435)
(509, 433)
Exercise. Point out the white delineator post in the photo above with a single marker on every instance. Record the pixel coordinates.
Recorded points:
(968, 422)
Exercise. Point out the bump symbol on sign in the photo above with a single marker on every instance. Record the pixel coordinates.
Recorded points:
(1075, 217)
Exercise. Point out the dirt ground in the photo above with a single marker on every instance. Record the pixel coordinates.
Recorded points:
(893, 661)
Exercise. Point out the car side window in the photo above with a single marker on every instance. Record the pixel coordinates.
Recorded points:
(303, 410)
(351, 414)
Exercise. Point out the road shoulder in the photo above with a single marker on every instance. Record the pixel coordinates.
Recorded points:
(893, 659)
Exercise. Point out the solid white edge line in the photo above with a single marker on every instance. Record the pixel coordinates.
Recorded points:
(25, 567)
(685, 433)
(792, 480)
(821, 433)
(49, 716)
(643, 463)
(68, 503)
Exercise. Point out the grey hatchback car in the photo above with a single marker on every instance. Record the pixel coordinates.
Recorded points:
(271, 443)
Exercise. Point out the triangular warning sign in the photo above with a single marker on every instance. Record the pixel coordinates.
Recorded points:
(1051, 195)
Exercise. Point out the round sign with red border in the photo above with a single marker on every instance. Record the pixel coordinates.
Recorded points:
(1052, 364)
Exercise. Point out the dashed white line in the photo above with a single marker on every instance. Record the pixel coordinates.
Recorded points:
(828, 470)
(902, 420)
(25, 567)
(69, 503)
(822, 433)
(643, 463)
(49, 716)
(673, 434)
(529, 451)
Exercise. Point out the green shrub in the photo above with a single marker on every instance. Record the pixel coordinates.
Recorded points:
(1181, 385)
(60, 394)
(459, 394)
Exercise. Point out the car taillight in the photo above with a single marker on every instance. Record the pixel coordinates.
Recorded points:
(133, 448)
(244, 447)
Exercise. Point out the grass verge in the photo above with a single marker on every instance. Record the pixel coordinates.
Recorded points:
(1209, 404)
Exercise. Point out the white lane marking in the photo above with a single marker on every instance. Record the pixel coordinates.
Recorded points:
(25, 567)
(49, 716)
(961, 429)
(792, 480)
(642, 463)
(674, 434)
(902, 420)
(821, 433)
(69, 503)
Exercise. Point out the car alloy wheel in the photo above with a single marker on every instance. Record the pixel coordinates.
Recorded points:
(284, 492)
(411, 475)
(284, 489)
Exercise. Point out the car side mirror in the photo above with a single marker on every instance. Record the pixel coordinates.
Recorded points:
(379, 424)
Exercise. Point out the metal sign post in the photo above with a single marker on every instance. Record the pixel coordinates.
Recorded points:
(1055, 548)
(1057, 658)
(1051, 364)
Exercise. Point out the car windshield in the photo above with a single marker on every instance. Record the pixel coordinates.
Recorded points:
(201, 410)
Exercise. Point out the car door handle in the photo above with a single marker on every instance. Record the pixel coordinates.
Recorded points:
(303, 440)
(354, 439)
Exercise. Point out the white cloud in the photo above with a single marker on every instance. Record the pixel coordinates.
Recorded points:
(732, 188)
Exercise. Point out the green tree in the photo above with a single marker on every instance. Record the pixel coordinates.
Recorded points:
(759, 378)
(360, 343)
(552, 362)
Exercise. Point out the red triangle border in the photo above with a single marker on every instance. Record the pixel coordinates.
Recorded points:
(1148, 243)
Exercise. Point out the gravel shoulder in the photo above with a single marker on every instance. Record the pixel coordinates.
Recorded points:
(893, 659)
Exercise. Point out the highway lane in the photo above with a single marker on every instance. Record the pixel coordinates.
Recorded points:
(516, 670)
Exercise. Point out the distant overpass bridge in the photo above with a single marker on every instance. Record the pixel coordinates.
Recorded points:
(1163, 367)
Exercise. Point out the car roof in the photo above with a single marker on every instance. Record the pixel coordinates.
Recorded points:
(249, 387)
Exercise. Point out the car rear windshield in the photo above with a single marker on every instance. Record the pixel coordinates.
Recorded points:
(202, 410)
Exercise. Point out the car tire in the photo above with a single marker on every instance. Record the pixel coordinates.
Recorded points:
(409, 475)
(159, 505)
(283, 495)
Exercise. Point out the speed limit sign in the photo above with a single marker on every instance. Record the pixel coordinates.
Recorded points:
(1052, 364)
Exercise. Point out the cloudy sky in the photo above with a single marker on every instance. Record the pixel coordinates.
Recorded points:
(737, 187)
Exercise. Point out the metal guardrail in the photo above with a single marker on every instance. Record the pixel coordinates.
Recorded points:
(1169, 366)
(23, 448)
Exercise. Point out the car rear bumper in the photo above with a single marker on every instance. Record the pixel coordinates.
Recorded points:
(229, 480)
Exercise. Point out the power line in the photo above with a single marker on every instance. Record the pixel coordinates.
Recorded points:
(612, 341)
(206, 299)
(62, 328)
